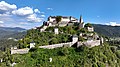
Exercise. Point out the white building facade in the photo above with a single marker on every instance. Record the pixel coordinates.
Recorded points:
(32, 45)
(56, 31)
(75, 39)
(90, 29)
(64, 20)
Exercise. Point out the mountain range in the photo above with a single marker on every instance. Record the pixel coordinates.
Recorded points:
(106, 30)
(9, 36)
(8, 31)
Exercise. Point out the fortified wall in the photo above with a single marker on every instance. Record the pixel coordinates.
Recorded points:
(69, 44)
(20, 51)
(91, 43)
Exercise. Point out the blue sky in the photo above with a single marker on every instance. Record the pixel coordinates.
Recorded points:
(31, 13)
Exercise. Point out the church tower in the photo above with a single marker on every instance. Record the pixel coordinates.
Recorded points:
(81, 23)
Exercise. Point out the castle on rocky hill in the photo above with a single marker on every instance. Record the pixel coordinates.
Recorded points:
(91, 38)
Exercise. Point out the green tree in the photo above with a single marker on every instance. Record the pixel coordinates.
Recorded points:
(83, 30)
(101, 64)
(118, 53)
(58, 19)
(81, 38)
(94, 65)
(53, 41)
(88, 25)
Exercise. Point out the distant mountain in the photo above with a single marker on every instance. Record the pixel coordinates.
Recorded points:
(15, 29)
(11, 40)
(110, 31)
(14, 33)
(7, 31)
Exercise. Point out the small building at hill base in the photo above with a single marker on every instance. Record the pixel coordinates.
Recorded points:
(56, 31)
(32, 44)
(90, 29)
(20, 51)
(74, 38)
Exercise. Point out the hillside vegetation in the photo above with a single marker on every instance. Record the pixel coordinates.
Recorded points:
(48, 37)
(6, 33)
(100, 56)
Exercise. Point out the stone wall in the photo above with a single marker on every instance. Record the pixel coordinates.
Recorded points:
(19, 51)
(92, 43)
(89, 43)
(68, 44)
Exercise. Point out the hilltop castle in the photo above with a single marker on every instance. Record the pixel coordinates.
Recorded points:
(64, 21)
(89, 38)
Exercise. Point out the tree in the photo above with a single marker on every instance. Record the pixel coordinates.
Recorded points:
(65, 39)
(81, 38)
(53, 41)
(113, 48)
(94, 65)
(88, 25)
(118, 53)
(58, 19)
(101, 64)
(82, 30)
(63, 52)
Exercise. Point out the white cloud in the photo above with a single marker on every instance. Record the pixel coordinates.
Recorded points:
(36, 11)
(23, 23)
(112, 24)
(6, 7)
(19, 17)
(49, 8)
(1, 25)
(1, 22)
(42, 12)
(5, 14)
(34, 18)
(28, 13)
(23, 11)
(42, 15)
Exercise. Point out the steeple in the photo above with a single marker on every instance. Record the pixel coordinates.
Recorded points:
(81, 20)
